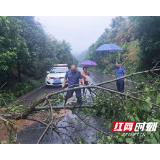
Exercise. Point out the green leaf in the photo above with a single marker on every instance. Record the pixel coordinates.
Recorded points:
(98, 134)
(147, 139)
(158, 99)
(85, 112)
(156, 135)
(158, 111)
(153, 140)
(108, 137)
(158, 122)
(90, 137)
(137, 119)
(81, 141)
(129, 140)
(120, 140)
(103, 110)
(151, 135)
(149, 102)
(131, 118)
(111, 125)
(147, 107)
(146, 89)
(149, 132)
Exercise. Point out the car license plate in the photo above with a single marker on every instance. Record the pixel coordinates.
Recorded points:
(56, 80)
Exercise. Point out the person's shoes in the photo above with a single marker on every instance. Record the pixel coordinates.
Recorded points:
(78, 106)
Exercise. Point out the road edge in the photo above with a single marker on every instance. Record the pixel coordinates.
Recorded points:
(19, 99)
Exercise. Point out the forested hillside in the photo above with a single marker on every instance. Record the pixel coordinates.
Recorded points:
(82, 56)
(27, 51)
(138, 36)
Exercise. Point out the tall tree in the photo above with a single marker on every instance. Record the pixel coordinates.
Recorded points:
(147, 30)
(25, 48)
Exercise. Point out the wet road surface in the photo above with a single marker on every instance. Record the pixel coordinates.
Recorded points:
(78, 130)
(75, 131)
(95, 77)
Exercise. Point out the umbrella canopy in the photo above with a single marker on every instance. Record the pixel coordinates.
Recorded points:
(108, 47)
(89, 63)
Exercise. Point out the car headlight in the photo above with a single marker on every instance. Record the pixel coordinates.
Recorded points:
(48, 77)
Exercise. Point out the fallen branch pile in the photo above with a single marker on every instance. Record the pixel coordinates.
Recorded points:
(52, 124)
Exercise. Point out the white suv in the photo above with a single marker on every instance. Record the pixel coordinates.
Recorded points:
(56, 75)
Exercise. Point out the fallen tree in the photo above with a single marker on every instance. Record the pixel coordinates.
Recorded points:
(102, 97)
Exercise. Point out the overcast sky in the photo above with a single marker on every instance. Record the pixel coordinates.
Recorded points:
(80, 31)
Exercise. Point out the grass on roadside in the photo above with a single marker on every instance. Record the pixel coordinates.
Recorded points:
(10, 92)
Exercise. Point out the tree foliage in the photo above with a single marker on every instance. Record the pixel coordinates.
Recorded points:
(26, 50)
(147, 31)
(139, 38)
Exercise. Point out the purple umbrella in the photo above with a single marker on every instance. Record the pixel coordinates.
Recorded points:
(89, 63)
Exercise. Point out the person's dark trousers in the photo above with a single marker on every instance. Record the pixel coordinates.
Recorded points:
(78, 94)
(120, 85)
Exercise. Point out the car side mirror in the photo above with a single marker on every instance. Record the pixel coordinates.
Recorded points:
(48, 72)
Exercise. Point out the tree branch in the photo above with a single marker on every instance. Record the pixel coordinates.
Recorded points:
(132, 74)
(62, 107)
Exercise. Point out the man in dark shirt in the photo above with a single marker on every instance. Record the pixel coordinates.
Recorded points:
(73, 76)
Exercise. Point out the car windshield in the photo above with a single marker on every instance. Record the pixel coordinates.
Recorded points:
(59, 70)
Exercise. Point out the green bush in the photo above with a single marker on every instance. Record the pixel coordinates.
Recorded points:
(113, 107)
(12, 91)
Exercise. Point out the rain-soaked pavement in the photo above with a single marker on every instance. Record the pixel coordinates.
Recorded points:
(75, 130)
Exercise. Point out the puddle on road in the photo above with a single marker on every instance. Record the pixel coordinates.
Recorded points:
(76, 129)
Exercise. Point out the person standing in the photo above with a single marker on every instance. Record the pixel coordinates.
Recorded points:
(85, 73)
(73, 76)
(119, 72)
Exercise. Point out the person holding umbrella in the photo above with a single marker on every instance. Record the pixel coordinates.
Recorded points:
(119, 72)
(85, 73)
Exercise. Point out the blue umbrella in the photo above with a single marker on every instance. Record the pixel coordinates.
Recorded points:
(108, 47)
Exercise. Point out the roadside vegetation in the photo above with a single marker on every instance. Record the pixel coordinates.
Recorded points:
(140, 40)
(9, 94)
(26, 53)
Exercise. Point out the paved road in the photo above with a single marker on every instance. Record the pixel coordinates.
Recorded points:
(95, 77)
(88, 134)
(36, 94)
